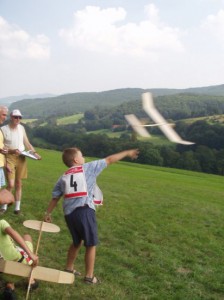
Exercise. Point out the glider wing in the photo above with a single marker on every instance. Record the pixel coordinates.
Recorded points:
(39, 273)
(136, 125)
(170, 133)
(44, 226)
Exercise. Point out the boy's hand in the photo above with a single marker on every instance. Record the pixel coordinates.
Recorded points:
(47, 218)
(133, 153)
(35, 259)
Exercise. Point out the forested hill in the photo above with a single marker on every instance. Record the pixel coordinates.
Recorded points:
(74, 103)
(69, 104)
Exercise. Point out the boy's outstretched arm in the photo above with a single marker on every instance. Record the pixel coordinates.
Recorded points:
(20, 241)
(132, 153)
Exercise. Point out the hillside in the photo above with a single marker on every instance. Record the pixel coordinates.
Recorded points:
(7, 101)
(80, 102)
(175, 107)
(160, 230)
(74, 103)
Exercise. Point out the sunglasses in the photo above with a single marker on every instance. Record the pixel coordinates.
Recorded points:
(17, 117)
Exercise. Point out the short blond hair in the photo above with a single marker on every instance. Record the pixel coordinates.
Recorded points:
(68, 156)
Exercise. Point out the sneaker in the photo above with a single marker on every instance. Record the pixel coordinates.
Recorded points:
(17, 212)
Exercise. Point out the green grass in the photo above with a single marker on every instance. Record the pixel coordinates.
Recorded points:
(70, 119)
(155, 139)
(214, 119)
(25, 121)
(161, 233)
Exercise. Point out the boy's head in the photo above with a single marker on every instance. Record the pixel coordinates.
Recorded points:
(72, 156)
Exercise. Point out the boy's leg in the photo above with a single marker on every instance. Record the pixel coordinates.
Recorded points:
(71, 256)
(27, 238)
(90, 260)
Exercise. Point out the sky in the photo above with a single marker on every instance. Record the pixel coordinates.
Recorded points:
(70, 46)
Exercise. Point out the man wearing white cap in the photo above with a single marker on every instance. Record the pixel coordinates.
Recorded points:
(16, 141)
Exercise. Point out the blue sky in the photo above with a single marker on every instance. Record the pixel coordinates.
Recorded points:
(60, 47)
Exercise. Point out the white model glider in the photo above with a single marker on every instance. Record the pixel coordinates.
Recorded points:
(38, 272)
(137, 126)
(166, 128)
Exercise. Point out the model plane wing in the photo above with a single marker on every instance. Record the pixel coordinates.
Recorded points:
(44, 226)
(39, 273)
(136, 125)
(166, 128)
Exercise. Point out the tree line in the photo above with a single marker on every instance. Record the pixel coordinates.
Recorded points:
(206, 155)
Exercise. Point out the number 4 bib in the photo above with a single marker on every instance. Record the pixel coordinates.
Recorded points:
(75, 183)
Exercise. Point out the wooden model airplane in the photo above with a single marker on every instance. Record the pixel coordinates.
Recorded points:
(166, 128)
(38, 272)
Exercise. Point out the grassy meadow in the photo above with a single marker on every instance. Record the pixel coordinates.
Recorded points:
(69, 119)
(161, 233)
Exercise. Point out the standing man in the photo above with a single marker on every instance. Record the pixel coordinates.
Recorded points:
(5, 196)
(16, 141)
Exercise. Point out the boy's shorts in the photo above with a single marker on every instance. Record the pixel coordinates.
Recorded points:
(17, 165)
(83, 226)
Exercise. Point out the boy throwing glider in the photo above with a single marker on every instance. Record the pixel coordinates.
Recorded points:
(77, 186)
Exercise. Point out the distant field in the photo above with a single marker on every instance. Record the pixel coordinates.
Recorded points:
(156, 139)
(69, 120)
(60, 121)
(161, 233)
(210, 119)
(25, 121)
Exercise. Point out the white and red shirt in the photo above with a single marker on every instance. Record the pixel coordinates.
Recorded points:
(78, 185)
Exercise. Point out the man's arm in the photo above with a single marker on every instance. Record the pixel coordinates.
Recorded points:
(133, 154)
(20, 241)
(29, 146)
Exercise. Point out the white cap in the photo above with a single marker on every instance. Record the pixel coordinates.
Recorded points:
(16, 112)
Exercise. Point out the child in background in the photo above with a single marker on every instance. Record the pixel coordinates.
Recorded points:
(22, 253)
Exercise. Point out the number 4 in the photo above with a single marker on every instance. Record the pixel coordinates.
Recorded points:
(73, 183)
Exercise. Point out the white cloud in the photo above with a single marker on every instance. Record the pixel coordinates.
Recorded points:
(105, 31)
(17, 44)
(214, 24)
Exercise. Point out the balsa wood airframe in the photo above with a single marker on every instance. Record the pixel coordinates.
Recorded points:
(39, 273)
(44, 226)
